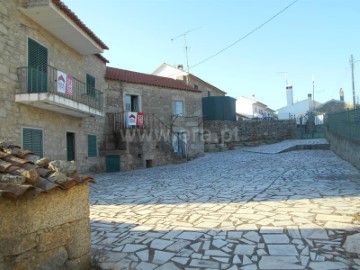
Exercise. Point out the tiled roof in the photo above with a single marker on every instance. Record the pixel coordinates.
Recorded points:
(102, 58)
(23, 173)
(79, 23)
(146, 79)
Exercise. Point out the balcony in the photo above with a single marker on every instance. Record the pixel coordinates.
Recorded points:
(59, 20)
(47, 88)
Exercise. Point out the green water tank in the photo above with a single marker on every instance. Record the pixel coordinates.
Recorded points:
(219, 108)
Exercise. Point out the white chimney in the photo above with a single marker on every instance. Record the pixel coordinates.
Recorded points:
(181, 67)
(289, 95)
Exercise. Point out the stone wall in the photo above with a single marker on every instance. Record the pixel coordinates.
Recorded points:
(50, 231)
(153, 144)
(347, 149)
(220, 135)
(15, 29)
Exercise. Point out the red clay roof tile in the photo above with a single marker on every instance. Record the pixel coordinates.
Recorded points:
(122, 75)
(17, 162)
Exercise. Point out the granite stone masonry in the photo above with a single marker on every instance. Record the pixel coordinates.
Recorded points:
(231, 210)
(223, 135)
(16, 29)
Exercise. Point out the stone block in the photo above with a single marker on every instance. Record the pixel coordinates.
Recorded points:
(53, 238)
(17, 245)
(51, 260)
(80, 244)
(47, 210)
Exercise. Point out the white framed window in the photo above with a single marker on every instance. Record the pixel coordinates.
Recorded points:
(178, 107)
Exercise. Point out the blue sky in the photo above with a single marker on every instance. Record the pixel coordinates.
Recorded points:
(311, 37)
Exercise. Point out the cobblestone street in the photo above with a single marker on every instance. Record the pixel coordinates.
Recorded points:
(250, 208)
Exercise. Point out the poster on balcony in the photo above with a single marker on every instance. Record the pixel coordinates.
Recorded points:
(131, 118)
(140, 119)
(64, 83)
(69, 90)
(61, 82)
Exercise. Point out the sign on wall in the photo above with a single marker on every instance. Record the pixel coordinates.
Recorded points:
(135, 119)
(140, 119)
(64, 83)
(131, 118)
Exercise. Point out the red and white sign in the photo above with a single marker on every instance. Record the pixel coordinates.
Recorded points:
(69, 85)
(131, 118)
(64, 83)
(140, 119)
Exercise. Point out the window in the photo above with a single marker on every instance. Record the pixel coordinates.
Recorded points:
(178, 107)
(90, 85)
(92, 147)
(33, 140)
(132, 103)
(196, 86)
(37, 67)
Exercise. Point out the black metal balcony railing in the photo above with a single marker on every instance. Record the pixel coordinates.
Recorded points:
(44, 80)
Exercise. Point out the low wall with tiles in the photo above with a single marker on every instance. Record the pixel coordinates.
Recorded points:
(50, 231)
(222, 135)
(347, 149)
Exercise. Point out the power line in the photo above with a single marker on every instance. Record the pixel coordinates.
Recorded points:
(245, 36)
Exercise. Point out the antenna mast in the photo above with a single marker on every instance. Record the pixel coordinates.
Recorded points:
(185, 42)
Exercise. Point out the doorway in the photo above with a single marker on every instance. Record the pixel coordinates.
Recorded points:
(70, 146)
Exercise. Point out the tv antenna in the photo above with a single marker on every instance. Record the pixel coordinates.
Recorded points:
(185, 42)
(286, 76)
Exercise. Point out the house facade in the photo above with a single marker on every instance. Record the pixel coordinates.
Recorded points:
(249, 108)
(52, 82)
(151, 120)
(178, 73)
(298, 109)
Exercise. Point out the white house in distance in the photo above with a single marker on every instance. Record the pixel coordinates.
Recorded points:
(296, 110)
(249, 108)
(178, 73)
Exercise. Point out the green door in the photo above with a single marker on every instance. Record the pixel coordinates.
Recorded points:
(113, 163)
(37, 67)
(70, 146)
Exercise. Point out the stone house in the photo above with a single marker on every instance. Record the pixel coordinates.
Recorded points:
(178, 73)
(151, 120)
(51, 82)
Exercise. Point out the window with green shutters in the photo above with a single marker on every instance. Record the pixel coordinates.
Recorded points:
(33, 140)
(92, 148)
(37, 67)
(90, 85)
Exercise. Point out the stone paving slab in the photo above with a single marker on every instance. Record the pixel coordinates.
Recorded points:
(231, 210)
(289, 145)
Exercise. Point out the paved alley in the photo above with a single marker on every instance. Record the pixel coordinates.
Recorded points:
(232, 210)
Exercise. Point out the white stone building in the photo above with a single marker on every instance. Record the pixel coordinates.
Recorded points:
(249, 108)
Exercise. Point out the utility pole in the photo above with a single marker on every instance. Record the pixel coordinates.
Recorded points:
(353, 80)
(313, 81)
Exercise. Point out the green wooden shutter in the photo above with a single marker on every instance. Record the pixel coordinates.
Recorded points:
(90, 82)
(33, 140)
(92, 147)
(37, 67)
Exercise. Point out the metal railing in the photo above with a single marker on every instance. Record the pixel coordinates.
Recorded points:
(346, 124)
(151, 122)
(45, 80)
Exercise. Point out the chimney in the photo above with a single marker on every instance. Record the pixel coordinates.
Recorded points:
(180, 66)
(341, 95)
(289, 95)
(309, 96)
